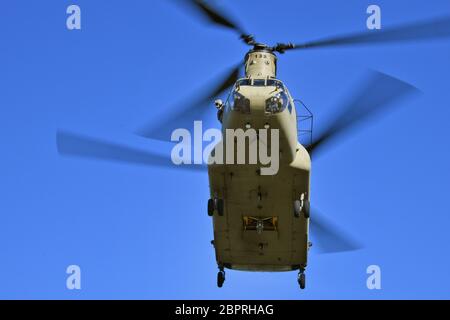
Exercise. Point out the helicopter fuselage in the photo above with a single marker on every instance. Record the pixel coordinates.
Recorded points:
(258, 229)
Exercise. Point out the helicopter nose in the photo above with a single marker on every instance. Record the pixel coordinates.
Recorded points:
(258, 105)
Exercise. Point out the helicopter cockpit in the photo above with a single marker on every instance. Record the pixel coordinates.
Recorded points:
(259, 83)
(276, 103)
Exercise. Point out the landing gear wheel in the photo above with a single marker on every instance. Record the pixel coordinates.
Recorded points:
(219, 206)
(210, 207)
(306, 208)
(220, 278)
(301, 280)
(297, 208)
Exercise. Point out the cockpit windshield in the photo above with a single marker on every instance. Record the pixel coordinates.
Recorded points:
(260, 83)
(277, 100)
(244, 82)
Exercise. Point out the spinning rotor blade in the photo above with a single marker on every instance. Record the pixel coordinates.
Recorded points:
(327, 237)
(194, 110)
(371, 99)
(430, 29)
(216, 17)
(69, 144)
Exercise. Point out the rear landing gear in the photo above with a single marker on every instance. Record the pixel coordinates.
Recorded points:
(301, 279)
(215, 205)
(297, 208)
(220, 277)
(210, 207)
(301, 207)
(306, 208)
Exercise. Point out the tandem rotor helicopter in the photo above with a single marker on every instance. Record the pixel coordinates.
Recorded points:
(261, 222)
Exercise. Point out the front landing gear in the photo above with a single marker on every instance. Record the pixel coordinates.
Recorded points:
(220, 277)
(301, 279)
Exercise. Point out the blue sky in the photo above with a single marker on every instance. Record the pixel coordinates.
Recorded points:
(141, 232)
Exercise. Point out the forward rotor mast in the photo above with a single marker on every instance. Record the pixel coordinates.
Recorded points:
(260, 63)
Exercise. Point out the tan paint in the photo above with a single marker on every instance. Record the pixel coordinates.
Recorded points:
(260, 65)
(247, 193)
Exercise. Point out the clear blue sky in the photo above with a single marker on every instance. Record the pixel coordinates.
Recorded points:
(140, 232)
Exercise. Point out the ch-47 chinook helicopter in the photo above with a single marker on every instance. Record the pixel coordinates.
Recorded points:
(261, 223)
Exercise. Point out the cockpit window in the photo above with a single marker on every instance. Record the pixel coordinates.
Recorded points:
(274, 83)
(260, 83)
(277, 102)
(244, 82)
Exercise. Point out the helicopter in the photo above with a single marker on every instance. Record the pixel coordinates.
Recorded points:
(262, 222)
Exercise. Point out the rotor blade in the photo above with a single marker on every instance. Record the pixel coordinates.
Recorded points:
(215, 16)
(74, 145)
(193, 110)
(327, 237)
(377, 92)
(430, 29)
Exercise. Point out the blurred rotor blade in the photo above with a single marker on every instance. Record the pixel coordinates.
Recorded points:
(423, 30)
(194, 109)
(74, 145)
(217, 17)
(327, 237)
(370, 100)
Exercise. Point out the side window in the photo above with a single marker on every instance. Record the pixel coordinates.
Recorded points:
(229, 101)
(291, 101)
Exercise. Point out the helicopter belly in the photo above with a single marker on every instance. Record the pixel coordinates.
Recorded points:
(258, 230)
